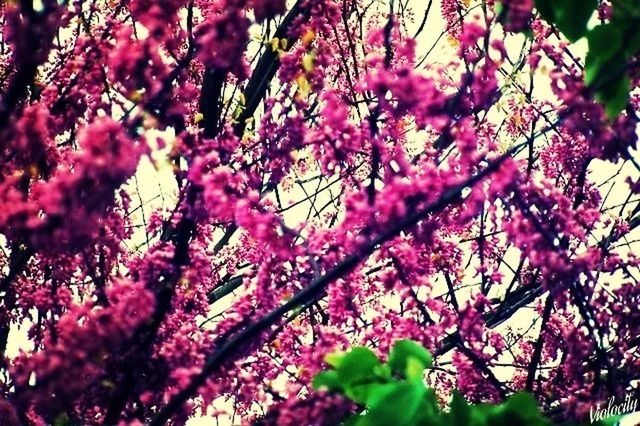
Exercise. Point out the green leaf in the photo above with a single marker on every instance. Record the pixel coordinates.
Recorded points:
(432, 407)
(366, 393)
(545, 8)
(397, 404)
(414, 368)
(334, 358)
(614, 96)
(632, 40)
(356, 365)
(459, 410)
(609, 421)
(625, 12)
(571, 16)
(401, 353)
(382, 371)
(524, 404)
(605, 68)
(605, 43)
(520, 408)
(326, 379)
(480, 413)
(62, 420)
(499, 9)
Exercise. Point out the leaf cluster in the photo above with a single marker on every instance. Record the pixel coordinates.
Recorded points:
(610, 45)
(394, 393)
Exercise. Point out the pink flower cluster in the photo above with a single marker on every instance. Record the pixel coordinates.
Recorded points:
(222, 38)
(78, 352)
(518, 14)
(108, 157)
(267, 9)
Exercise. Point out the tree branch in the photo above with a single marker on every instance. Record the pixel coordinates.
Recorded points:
(229, 350)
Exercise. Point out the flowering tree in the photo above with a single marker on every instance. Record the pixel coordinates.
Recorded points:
(330, 173)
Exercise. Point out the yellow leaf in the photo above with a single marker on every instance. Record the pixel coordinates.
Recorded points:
(308, 61)
(198, 117)
(274, 44)
(246, 138)
(136, 95)
(308, 37)
(236, 113)
(243, 99)
(149, 122)
(284, 43)
(33, 170)
(108, 384)
(303, 85)
(453, 41)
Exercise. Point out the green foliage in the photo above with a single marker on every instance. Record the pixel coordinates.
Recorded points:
(569, 16)
(409, 358)
(62, 420)
(611, 45)
(394, 393)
